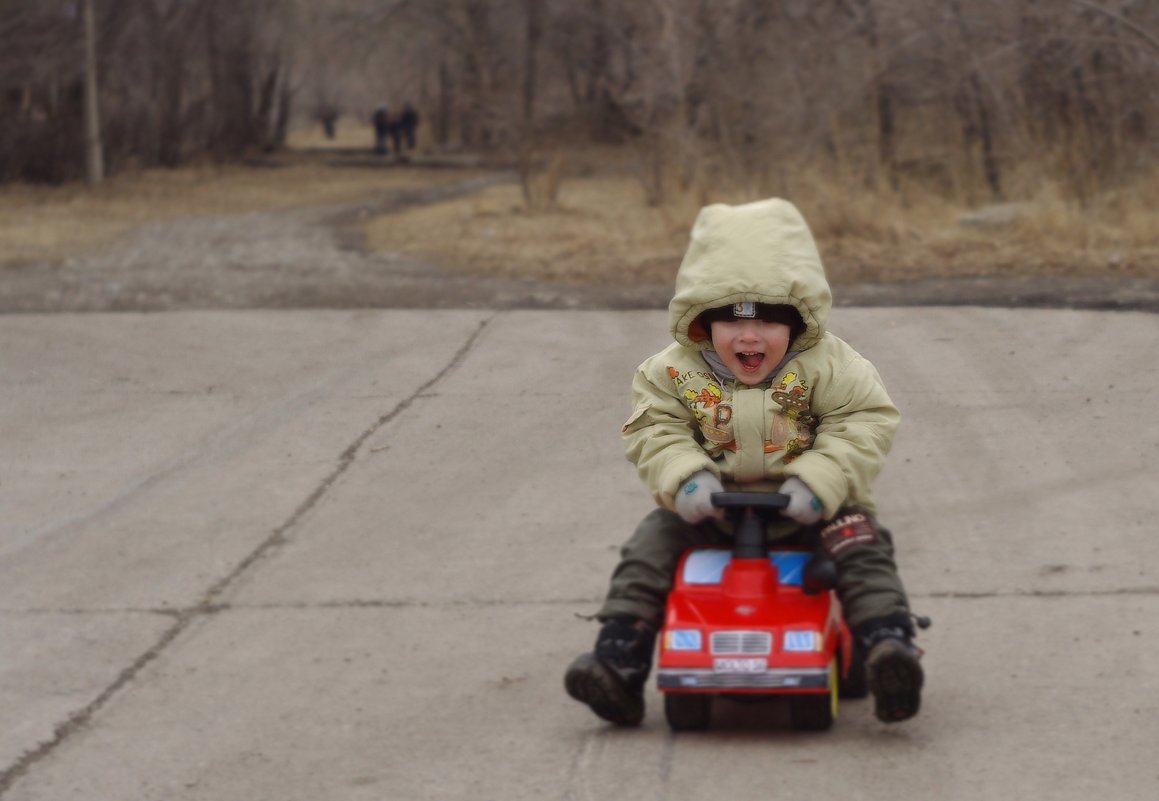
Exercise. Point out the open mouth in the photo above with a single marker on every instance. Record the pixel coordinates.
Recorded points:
(750, 360)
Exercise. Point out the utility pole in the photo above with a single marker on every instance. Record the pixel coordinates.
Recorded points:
(94, 150)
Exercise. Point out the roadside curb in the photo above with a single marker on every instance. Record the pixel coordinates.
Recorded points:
(1050, 292)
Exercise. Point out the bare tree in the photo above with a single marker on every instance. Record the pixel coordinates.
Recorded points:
(94, 150)
(41, 80)
(962, 96)
(533, 11)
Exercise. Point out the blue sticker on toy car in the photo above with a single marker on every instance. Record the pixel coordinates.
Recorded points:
(707, 566)
(800, 641)
(684, 640)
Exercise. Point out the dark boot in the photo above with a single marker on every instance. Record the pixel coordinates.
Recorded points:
(611, 679)
(892, 663)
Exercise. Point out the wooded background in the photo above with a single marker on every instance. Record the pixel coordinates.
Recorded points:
(973, 97)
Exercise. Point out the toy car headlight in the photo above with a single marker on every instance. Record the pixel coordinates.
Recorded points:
(682, 640)
(798, 641)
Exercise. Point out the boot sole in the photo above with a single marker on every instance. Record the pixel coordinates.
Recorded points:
(589, 682)
(895, 679)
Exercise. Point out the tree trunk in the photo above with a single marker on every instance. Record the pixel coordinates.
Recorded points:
(534, 11)
(882, 94)
(446, 106)
(979, 125)
(285, 107)
(94, 151)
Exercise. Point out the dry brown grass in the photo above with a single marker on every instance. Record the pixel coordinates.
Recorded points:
(601, 230)
(591, 222)
(888, 235)
(40, 223)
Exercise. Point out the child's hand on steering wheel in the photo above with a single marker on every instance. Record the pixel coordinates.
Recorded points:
(804, 506)
(694, 498)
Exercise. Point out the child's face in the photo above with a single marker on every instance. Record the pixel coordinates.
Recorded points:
(752, 349)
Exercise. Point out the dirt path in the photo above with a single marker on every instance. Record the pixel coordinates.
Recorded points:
(299, 258)
(315, 258)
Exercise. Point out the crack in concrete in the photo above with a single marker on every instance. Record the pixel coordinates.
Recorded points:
(981, 595)
(223, 441)
(121, 610)
(209, 606)
(345, 460)
(80, 718)
(207, 609)
(409, 603)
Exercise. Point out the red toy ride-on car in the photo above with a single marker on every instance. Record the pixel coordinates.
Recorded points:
(755, 622)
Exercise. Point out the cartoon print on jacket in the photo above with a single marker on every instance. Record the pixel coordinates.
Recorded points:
(704, 398)
(792, 395)
(790, 431)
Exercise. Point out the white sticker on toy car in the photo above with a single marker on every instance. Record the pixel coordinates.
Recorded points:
(723, 665)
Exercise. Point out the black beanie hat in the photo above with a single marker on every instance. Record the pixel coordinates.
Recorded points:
(765, 312)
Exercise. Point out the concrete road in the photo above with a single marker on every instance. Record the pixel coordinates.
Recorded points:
(312, 555)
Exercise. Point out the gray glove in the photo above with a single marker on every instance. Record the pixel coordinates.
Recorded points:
(694, 498)
(804, 506)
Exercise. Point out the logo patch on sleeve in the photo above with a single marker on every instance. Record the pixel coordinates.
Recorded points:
(846, 532)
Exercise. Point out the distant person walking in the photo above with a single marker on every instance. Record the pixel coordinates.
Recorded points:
(407, 122)
(381, 121)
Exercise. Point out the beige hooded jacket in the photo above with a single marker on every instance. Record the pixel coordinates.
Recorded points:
(824, 415)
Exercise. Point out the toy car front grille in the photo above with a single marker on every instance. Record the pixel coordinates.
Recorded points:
(741, 642)
(786, 680)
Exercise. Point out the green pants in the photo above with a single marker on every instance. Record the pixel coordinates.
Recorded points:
(868, 584)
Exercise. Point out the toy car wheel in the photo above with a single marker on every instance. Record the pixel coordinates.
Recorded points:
(811, 713)
(687, 711)
(856, 681)
(816, 712)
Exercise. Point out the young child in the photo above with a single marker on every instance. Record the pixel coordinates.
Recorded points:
(754, 394)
